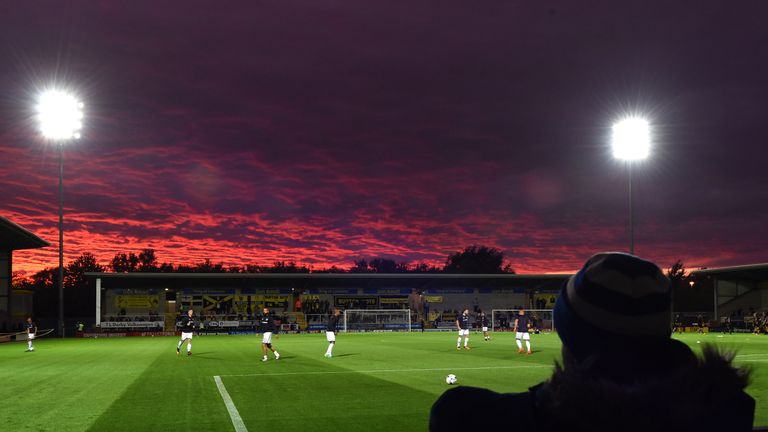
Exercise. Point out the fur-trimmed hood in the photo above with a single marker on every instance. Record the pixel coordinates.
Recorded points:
(679, 392)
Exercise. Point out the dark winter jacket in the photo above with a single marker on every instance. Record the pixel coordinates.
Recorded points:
(671, 390)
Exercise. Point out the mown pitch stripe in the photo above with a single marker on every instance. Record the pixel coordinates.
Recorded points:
(388, 370)
(237, 421)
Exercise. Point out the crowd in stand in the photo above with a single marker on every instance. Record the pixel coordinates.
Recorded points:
(759, 322)
(318, 307)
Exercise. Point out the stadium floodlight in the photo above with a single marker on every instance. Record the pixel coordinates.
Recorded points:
(631, 141)
(60, 114)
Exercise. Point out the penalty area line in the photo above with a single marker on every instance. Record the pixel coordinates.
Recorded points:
(237, 421)
(388, 370)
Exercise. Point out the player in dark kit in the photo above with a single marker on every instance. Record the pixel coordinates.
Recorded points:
(31, 330)
(485, 323)
(462, 324)
(267, 327)
(188, 326)
(678, 324)
(521, 331)
(330, 331)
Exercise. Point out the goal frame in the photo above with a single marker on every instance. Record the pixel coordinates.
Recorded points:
(406, 313)
(496, 312)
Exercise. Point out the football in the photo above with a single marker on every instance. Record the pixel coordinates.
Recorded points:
(450, 379)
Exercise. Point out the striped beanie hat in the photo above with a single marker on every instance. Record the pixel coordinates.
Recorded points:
(616, 301)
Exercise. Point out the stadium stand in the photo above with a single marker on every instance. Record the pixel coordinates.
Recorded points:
(13, 237)
(230, 301)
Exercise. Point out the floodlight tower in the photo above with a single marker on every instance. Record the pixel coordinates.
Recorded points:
(60, 115)
(631, 142)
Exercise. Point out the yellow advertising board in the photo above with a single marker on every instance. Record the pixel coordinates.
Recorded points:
(270, 298)
(137, 301)
(393, 300)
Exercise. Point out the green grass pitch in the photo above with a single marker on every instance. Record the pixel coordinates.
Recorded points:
(374, 382)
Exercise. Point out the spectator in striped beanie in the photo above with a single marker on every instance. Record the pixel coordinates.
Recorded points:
(616, 302)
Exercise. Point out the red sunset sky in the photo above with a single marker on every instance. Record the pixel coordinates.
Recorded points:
(325, 132)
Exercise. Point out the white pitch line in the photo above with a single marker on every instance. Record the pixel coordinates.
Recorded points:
(751, 355)
(237, 422)
(387, 370)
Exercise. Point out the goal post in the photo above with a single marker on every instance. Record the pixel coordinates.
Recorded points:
(361, 320)
(504, 319)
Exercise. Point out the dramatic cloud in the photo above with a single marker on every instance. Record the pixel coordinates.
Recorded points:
(324, 132)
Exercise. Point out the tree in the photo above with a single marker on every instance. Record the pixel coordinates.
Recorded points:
(423, 267)
(208, 267)
(379, 265)
(122, 263)
(385, 265)
(289, 267)
(477, 259)
(360, 266)
(676, 274)
(74, 276)
(147, 261)
(166, 268)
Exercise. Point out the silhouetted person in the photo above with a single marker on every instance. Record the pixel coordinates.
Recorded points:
(620, 371)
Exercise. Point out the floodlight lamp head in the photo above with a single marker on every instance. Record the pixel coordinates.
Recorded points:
(631, 139)
(60, 115)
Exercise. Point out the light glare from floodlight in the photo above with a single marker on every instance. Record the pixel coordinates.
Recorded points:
(631, 139)
(60, 115)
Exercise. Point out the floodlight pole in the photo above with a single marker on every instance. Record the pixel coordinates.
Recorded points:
(631, 213)
(60, 280)
(631, 141)
(60, 119)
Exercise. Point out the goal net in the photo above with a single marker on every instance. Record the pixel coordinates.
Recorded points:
(504, 319)
(359, 320)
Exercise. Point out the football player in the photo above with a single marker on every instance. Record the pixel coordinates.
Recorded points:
(188, 326)
(521, 331)
(267, 326)
(31, 330)
(462, 324)
(330, 331)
